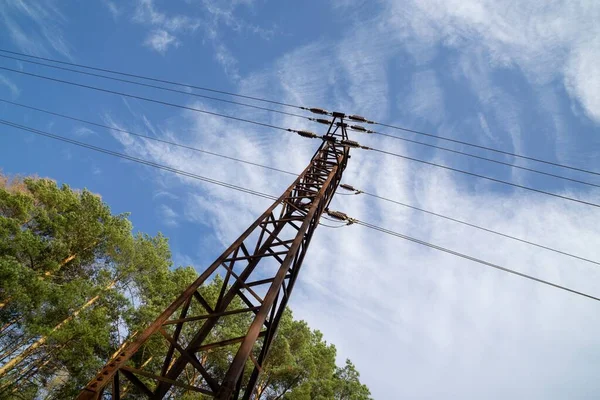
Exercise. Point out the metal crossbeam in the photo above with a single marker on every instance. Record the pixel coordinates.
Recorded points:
(263, 262)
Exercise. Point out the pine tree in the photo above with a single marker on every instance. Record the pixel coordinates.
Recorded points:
(77, 283)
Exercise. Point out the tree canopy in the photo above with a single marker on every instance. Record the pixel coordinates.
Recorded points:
(76, 282)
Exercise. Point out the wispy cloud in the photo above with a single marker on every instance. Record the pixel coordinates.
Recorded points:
(147, 13)
(164, 27)
(44, 31)
(164, 193)
(227, 61)
(160, 41)
(546, 40)
(83, 131)
(14, 89)
(458, 329)
(112, 7)
(426, 99)
(168, 216)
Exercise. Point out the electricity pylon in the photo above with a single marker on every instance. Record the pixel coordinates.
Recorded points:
(260, 269)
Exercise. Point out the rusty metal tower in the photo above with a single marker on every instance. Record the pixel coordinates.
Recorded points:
(260, 269)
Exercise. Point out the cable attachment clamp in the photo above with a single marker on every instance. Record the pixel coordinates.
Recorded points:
(358, 118)
(315, 110)
(307, 134)
(362, 129)
(340, 216)
(350, 188)
(321, 121)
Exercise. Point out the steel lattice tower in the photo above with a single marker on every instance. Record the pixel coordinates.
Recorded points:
(260, 269)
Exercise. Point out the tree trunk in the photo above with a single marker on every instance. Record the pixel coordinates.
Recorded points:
(42, 340)
(8, 324)
(260, 388)
(48, 273)
(13, 347)
(295, 381)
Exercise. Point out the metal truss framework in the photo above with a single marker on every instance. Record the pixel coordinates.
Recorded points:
(260, 269)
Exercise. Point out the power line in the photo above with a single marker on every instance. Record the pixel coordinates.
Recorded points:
(155, 79)
(292, 173)
(140, 161)
(293, 106)
(147, 99)
(485, 177)
(271, 197)
(295, 115)
(483, 147)
(146, 137)
(487, 159)
(158, 87)
(477, 227)
(474, 259)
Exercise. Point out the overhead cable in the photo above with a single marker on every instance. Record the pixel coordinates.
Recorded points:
(356, 191)
(484, 177)
(157, 87)
(148, 99)
(271, 197)
(474, 259)
(337, 215)
(294, 174)
(147, 137)
(295, 106)
(488, 159)
(139, 160)
(485, 148)
(207, 89)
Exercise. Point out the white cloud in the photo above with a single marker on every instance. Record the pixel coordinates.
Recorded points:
(164, 193)
(164, 27)
(582, 76)
(83, 131)
(168, 216)
(426, 98)
(160, 41)
(14, 89)
(546, 40)
(44, 31)
(147, 13)
(112, 7)
(448, 327)
(227, 61)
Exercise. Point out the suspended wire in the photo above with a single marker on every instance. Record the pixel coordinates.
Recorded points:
(486, 177)
(478, 227)
(157, 87)
(139, 160)
(293, 106)
(474, 259)
(155, 79)
(487, 159)
(271, 197)
(147, 99)
(483, 147)
(147, 137)
(294, 174)
(293, 114)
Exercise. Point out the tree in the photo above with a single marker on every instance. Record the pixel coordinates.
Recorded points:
(77, 283)
(347, 385)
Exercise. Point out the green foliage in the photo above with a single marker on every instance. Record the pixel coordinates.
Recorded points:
(76, 283)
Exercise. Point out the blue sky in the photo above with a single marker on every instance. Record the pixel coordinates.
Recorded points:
(523, 77)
